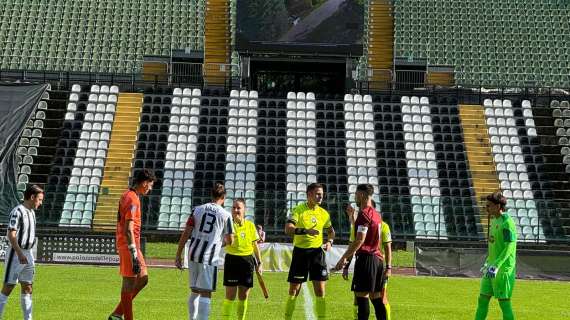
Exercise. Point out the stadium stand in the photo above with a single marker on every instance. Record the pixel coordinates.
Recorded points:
(422, 167)
(301, 146)
(431, 153)
(430, 158)
(241, 151)
(107, 36)
(90, 156)
(511, 43)
(35, 147)
(180, 159)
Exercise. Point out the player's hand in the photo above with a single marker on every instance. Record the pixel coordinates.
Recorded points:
(259, 268)
(312, 232)
(492, 272)
(327, 246)
(134, 259)
(178, 262)
(340, 264)
(136, 265)
(345, 273)
(22, 258)
(484, 269)
(387, 273)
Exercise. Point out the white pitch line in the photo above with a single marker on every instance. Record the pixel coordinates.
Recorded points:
(309, 306)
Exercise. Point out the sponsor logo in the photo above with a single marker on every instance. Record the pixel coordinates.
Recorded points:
(85, 258)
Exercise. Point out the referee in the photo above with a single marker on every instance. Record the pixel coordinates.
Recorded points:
(306, 225)
(242, 258)
(20, 265)
(368, 279)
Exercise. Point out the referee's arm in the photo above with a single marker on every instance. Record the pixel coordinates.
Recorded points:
(388, 257)
(290, 227)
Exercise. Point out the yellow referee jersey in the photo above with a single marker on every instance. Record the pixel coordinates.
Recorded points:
(246, 235)
(304, 217)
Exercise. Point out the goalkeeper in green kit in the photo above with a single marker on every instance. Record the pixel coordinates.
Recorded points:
(499, 269)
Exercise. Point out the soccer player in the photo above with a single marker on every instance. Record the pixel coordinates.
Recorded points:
(385, 247)
(306, 224)
(21, 235)
(368, 279)
(261, 233)
(208, 227)
(128, 241)
(240, 263)
(499, 269)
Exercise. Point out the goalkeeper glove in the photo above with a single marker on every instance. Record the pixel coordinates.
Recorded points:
(134, 259)
(492, 272)
(484, 268)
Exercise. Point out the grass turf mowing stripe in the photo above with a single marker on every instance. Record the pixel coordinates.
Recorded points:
(309, 306)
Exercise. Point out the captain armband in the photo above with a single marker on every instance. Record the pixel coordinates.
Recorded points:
(299, 231)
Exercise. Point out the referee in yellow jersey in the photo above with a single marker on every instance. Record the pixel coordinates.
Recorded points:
(242, 257)
(306, 224)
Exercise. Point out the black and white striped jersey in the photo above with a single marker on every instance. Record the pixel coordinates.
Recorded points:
(23, 220)
(211, 223)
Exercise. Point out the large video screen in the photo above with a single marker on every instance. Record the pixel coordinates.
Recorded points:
(318, 26)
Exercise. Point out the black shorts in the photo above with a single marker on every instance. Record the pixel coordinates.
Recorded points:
(238, 271)
(310, 261)
(368, 274)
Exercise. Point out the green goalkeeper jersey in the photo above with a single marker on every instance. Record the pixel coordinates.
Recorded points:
(502, 243)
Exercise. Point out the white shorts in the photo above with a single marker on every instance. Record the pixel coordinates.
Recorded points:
(202, 276)
(16, 272)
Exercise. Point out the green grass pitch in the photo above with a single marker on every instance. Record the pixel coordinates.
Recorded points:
(82, 292)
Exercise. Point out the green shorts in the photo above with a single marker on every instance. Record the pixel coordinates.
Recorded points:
(501, 287)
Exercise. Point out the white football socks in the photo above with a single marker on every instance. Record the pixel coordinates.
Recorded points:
(26, 302)
(193, 305)
(204, 308)
(3, 300)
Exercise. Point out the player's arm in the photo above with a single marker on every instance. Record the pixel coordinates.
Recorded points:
(16, 247)
(352, 247)
(510, 248)
(229, 236)
(130, 235)
(182, 242)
